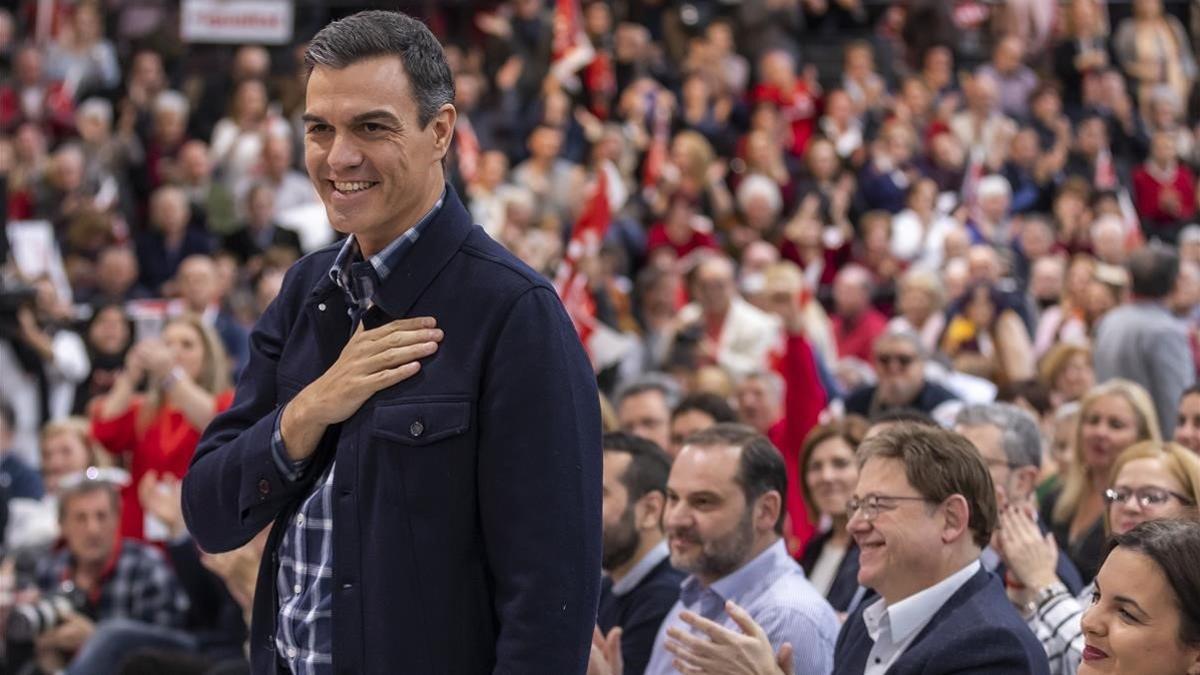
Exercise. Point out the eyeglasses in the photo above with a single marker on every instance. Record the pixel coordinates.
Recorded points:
(871, 505)
(903, 360)
(1147, 497)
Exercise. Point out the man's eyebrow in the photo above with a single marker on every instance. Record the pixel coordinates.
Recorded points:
(309, 117)
(369, 116)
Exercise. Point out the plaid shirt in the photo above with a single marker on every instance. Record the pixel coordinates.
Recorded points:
(304, 629)
(137, 584)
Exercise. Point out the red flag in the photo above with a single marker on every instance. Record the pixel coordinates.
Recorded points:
(571, 282)
(571, 49)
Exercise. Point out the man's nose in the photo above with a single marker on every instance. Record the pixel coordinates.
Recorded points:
(343, 153)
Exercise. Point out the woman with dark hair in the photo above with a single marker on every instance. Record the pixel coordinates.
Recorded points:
(985, 336)
(829, 471)
(1145, 613)
(108, 336)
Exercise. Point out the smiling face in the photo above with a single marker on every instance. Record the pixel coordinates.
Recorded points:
(1107, 426)
(375, 167)
(710, 528)
(831, 474)
(1147, 472)
(1133, 623)
(896, 548)
(1187, 429)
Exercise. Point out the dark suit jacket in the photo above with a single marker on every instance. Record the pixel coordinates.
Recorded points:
(639, 613)
(845, 582)
(466, 500)
(976, 631)
(931, 396)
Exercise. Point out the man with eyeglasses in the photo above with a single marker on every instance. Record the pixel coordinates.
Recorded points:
(900, 364)
(921, 514)
(1009, 442)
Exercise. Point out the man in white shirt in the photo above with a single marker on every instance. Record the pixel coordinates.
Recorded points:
(922, 512)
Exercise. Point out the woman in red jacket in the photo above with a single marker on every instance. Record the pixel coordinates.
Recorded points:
(156, 430)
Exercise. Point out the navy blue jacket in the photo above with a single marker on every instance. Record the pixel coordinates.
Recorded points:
(976, 631)
(639, 613)
(466, 544)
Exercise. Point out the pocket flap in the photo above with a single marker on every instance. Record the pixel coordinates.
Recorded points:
(421, 422)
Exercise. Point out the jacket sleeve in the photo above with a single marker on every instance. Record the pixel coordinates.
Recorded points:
(539, 471)
(1170, 372)
(234, 488)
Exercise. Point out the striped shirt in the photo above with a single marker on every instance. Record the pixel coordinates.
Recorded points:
(1058, 625)
(771, 588)
(304, 583)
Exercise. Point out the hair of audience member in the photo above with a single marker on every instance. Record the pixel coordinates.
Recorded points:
(939, 464)
(214, 373)
(1033, 392)
(710, 404)
(1181, 463)
(895, 333)
(760, 466)
(757, 185)
(608, 417)
(1057, 358)
(851, 429)
(660, 382)
(378, 33)
(1174, 546)
(648, 469)
(776, 386)
(87, 486)
(1075, 479)
(81, 428)
(1019, 434)
(1152, 271)
(171, 101)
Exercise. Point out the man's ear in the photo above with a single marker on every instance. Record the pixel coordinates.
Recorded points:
(648, 511)
(766, 511)
(442, 126)
(957, 518)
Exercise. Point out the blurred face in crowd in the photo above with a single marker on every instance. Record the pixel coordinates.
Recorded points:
(63, 453)
(109, 331)
(1076, 377)
(187, 347)
(147, 71)
(169, 126)
(545, 143)
(624, 519)
(1162, 149)
(830, 475)
(1106, 427)
(68, 169)
(198, 282)
(277, 156)
(1133, 624)
(1008, 54)
(116, 271)
(28, 66)
(89, 526)
(1024, 150)
(685, 424)
(1091, 137)
(915, 303)
(899, 548)
(983, 264)
(1047, 105)
(758, 403)
(647, 416)
(251, 62)
(714, 286)
(901, 370)
(839, 107)
(1046, 280)
(923, 198)
(1187, 428)
(1149, 474)
(169, 211)
(93, 127)
(194, 162)
(851, 293)
(981, 310)
(822, 160)
(261, 206)
(939, 63)
(1099, 299)
(778, 69)
(710, 527)
(1062, 445)
(372, 162)
(250, 101)
(981, 94)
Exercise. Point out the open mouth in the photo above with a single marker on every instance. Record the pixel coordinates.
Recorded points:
(352, 187)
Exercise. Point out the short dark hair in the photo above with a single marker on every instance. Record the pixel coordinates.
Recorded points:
(380, 33)
(760, 465)
(708, 403)
(649, 469)
(1173, 545)
(1152, 271)
(939, 464)
(86, 487)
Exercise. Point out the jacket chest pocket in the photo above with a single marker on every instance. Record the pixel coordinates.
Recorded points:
(421, 422)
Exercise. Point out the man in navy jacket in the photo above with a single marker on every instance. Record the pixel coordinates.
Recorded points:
(417, 418)
(922, 512)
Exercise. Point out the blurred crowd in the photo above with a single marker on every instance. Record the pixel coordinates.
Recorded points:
(812, 215)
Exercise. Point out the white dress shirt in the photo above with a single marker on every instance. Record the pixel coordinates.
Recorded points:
(894, 628)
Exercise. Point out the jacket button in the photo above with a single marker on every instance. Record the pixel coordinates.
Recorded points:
(416, 429)
(264, 487)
